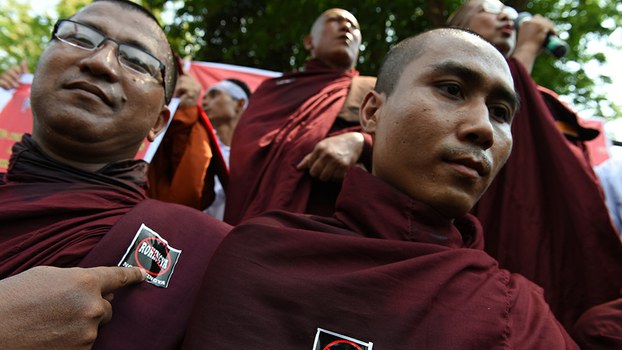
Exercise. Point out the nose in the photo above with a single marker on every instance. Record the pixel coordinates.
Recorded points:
(477, 128)
(344, 23)
(103, 62)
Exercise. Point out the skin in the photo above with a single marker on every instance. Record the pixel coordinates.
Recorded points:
(113, 108)
(224, 112)
(10, 78)
(59, 308)
(500, 31)
(444, 132)
(334, 39)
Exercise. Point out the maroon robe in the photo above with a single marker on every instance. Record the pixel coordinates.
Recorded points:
(384, 269)
(600, 327)
(545, 216)
(53, 214)
(286, 118)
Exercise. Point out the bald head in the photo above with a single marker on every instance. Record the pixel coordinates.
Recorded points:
(412, 48)
(334, 39)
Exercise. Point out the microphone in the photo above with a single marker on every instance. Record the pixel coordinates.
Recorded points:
(552, 44)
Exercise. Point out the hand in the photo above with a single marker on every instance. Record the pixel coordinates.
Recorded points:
(332, 157)
(530, 40)
(59, 308)
(188, 89)
(10, 79)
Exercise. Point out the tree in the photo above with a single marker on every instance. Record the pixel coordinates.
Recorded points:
(268, 34)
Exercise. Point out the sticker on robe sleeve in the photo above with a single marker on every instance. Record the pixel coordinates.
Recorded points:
(327, 340)
(152, 253)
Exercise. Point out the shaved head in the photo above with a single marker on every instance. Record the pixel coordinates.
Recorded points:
(408, 50)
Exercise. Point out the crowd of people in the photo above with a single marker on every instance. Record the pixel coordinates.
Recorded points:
(447, 203)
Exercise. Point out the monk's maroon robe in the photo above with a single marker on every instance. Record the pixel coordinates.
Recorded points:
(53, 214)
(384, 269)
(544, 215)
(285, 119)
(600, 327)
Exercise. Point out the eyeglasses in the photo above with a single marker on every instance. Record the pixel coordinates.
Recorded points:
(496, 7)
(87, 38)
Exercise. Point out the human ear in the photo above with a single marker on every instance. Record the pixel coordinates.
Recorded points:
(308, 42)
(160, 123)
(370, 109)
(239, 106)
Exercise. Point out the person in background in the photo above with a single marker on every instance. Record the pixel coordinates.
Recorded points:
(545, 215)
(399, 265)
(73, 195)
(295, 142)
(183, 168)
(224, 103)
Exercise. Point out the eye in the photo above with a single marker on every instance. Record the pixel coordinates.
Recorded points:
(500, 113)
(451, 89)
(79, 39)
(136, 60)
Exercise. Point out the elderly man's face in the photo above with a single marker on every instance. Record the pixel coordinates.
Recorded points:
(335, 39)
(86, 104)
(495, 22)
(444, 132)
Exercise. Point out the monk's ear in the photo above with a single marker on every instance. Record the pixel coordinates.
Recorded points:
(239, 106)
(160, 123)
(308, 42)
(370, 110)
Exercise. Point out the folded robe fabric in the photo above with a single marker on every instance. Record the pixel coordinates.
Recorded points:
(285, 119)
(544, 215)
(385, 269)
(54, 214)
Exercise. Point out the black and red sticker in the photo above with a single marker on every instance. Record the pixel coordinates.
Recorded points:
(153, 254)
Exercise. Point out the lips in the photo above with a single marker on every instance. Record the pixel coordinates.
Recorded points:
(91, 88)
(481, 165)
(347, 37)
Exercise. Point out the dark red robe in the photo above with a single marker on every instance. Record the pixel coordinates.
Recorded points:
(286, 118)
(545, 216)
(53, 214)
(385, 269)
(600, 327)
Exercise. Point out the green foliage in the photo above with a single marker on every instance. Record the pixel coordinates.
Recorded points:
(268, 34)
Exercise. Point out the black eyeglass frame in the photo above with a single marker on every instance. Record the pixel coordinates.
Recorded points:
(104, 39)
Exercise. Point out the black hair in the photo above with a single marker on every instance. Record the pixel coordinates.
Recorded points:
(241, 84)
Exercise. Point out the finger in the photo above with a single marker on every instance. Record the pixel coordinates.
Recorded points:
(317, 168)
(304, 163)
(24, 66)
(107, 315)
(115, 277)
(109, 297)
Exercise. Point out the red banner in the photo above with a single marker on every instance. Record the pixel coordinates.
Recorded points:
(16, 115)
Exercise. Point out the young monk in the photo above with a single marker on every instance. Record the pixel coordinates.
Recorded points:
(400, 263)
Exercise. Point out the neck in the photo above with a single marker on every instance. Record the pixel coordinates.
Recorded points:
(225, 131)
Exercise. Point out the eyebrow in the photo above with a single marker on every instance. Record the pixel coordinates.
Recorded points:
(130, 42)
(470, 75)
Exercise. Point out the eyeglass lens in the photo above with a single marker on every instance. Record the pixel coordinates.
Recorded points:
(87, 38)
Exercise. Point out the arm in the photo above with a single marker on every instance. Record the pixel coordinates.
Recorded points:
(188, 90)
(59, 308)
(530, 40)
(332, 157)
(10, 78)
